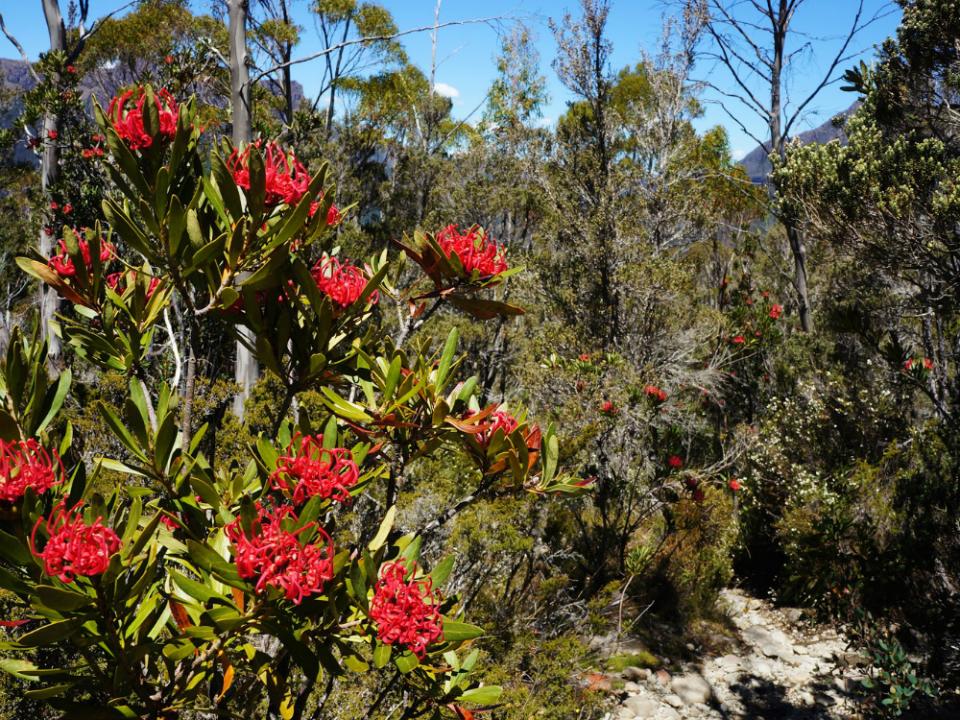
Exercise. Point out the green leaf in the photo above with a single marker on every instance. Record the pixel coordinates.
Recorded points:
(442, 570)
(50, 634)
(48, 692)
(486, 695)
(17, 668)
(56, 396)
(14, 550)
(381, 656)
(406, 662)
(456, 631)
(62, 600)
(384, 531)
(194, 589)
(446, 359)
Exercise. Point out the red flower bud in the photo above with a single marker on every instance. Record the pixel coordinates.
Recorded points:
(311, 470)
(343, 284)
(53, 134)
(73, 547)
(126, 114)
(608, 408)
(273, 554)
(25, 463)
(474, 250)
(675, 461)
(406, 611)
(734, 485)
(776, 311)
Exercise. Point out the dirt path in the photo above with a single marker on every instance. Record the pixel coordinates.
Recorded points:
(782, 669)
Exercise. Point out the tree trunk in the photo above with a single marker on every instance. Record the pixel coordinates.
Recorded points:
(246, 370)
(240, 90)
(49, 173)
(800, 276)
(781, 23)
(286, 55)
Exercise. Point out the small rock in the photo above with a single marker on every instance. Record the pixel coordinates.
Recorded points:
(852, 659)
(632, 687)
(625, 714)
(637, 674)
(806, 699)
(728, 663)
(598, 682)
(691, 647)
(668, 713)
(673, 700)
(640, 706)
(691, 688)
(663, 677)
(792, 615)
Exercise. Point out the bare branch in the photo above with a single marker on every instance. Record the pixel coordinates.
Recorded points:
(19, 47)
(828, 75)
(375, 38)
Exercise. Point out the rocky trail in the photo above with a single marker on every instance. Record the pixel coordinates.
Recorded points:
(780, 667)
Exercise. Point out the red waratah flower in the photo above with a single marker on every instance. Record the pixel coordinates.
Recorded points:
(908, 364)
(26, 463)
(71, 69)
(608, 408)
(275, 556)
(54, 205)
(655, 393)
(87, 153)
(74, 548)
(474, 250)
(62, 264)
(168, 59)
(734, 485)
(585, 357)
(287, 180)
(497, 420)
(776, 311)
(67, 209)
(927, 364)
(342, 283)
(737, 340)
(52, 134)
(313, 470)
(169, 522)
(406, 612)
(675, 461)
(334, 216)
(126, 114)
(698, 495)
(117, 282)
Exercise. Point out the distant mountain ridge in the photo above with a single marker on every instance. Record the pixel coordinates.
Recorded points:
(15, 74)
(756, 163)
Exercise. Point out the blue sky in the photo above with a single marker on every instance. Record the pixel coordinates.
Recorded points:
(466, 53)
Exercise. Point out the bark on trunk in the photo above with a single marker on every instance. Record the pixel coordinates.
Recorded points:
(49, 173)
(246, 370)
(778, 146)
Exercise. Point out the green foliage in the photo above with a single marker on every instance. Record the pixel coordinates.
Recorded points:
(892, 684)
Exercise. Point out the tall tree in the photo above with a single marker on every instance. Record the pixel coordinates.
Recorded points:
(241, 111)
(583, 66)
(759, 50)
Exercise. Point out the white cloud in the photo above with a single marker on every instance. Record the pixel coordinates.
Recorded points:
(447, 91)
(739, 153)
